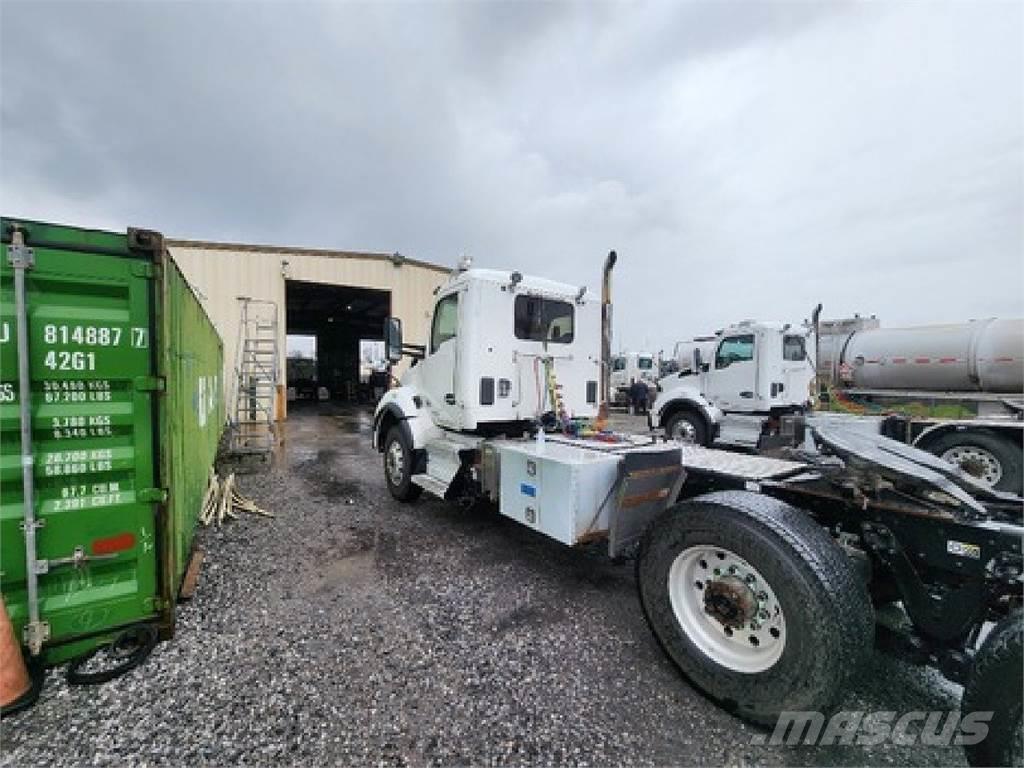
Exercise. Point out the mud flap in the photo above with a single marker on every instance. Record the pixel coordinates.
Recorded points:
(648, 482)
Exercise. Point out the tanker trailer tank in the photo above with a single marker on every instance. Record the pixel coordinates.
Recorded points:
(977, 356)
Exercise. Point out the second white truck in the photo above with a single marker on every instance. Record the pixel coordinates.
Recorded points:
(955, 391)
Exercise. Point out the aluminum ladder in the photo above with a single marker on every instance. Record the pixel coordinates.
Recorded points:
(256, 377)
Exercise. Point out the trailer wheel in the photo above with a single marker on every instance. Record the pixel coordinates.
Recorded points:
(687, 427)
(991, 458)
(994, 687)
(755, 603)
(398, 466)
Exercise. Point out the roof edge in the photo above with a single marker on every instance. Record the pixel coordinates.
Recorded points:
(299, 251)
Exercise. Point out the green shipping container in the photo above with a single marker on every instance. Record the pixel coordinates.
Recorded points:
(126, 410)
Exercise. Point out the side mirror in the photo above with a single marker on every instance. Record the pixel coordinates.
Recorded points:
(393, 339)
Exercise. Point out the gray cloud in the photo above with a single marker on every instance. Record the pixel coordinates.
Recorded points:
(746, 159)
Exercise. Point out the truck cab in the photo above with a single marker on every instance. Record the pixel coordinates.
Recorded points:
(495, 339)
(502, 405)
(754, 370)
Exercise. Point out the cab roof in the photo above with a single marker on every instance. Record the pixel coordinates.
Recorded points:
(528, 283)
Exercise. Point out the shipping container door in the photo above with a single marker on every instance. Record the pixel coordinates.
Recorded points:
(92, 428)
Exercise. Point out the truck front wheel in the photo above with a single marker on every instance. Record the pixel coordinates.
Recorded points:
(398, 460)
(993, 459)
(994, 692)
(755, 603)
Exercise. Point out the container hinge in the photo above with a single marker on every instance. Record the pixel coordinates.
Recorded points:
(39, 522)
(21, 257)
(35, 634)
(152, 495)
(150, 384)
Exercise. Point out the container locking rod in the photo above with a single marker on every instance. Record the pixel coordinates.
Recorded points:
(21, 259)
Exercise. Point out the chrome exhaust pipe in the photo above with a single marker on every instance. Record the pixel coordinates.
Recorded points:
(606, 337)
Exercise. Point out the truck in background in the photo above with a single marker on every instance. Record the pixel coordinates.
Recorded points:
(956, 391)
(630, 367)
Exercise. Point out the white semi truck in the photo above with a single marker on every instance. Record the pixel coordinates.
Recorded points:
(757, 575)
(956, 391)
(630, 367)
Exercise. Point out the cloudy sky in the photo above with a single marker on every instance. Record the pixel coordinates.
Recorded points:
(745, 159)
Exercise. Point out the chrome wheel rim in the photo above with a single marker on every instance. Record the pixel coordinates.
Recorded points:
(977, 462)
(727, 608)
(395, 462)
(684, 431)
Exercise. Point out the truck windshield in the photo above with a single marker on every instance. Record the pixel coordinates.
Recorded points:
(645, 363)
(540, 319)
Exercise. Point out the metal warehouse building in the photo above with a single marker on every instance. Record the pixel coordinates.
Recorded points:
(340, 297)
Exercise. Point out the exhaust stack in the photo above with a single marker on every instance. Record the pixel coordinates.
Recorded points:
(815, 382)
(606, 339)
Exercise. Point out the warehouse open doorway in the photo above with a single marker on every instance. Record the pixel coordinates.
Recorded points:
(345, 324)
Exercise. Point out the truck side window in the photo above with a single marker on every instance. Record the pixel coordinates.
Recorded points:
(645, 363)
(619, 364)
(446, 321)
(734, 349)
(540, 319)
(793, 349)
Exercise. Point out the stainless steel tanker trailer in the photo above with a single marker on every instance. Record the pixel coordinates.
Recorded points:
(959, 387)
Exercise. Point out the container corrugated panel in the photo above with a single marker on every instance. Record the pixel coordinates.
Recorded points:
(126, 412)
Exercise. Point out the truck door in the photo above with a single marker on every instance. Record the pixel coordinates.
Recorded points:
(797, 373)
(731, 380)
(439, 367)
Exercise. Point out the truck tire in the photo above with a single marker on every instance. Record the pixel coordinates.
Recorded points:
(687, 426)
(398, 466)
(755, 603)
(994, 687)
(997, 458)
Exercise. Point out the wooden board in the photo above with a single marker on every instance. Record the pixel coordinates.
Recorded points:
(191, 580)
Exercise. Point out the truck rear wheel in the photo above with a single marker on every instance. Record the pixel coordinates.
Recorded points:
(686, 426)
(993, 459)
(755, 603)
(398, 466)
(995, 687)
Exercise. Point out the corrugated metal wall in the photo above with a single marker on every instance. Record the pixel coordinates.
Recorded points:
(221, 272)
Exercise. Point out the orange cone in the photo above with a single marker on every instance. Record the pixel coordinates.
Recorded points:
(14, 679)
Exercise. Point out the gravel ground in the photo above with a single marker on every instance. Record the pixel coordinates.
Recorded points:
(351, 629)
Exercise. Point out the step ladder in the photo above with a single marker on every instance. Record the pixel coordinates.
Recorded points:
(256, 377)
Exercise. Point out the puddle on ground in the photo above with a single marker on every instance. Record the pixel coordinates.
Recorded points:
(321, 432)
